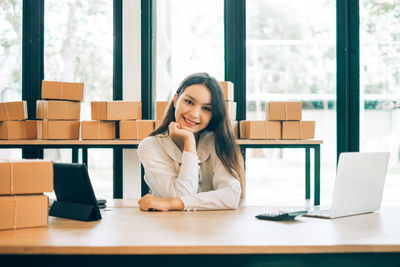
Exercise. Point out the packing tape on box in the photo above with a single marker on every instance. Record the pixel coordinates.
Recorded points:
(65, 109)
(25, 134)
(124, 110)
(62, 90)
(137, 130)
(98, 130)
(301, 131)
(8, 116)
(15, 211)
(286, 112)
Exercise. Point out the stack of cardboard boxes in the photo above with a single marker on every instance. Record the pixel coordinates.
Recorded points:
(283, 121)
(59, 113)
(105, 114)
(22, 202)
(13, 123)
(228, 91)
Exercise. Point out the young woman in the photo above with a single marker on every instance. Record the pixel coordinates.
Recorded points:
(191, 161)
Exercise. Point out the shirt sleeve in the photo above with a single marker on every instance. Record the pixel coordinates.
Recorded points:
(161, 175)
(225, 196)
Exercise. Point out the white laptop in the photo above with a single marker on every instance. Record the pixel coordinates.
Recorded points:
(359, 185)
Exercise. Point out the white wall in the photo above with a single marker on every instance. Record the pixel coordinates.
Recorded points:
(131, 89)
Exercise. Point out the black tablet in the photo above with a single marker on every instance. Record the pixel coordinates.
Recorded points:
(74, 192)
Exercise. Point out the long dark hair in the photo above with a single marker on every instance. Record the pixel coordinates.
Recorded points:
(225, 147)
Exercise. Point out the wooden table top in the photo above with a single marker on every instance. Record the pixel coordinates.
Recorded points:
(125, 229)
(136, 142)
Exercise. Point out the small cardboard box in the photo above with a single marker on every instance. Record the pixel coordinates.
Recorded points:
(161, 108)
(58, 110)
(135, 130)
(62, 90)
(291, 130)
(231, 109)
(234, 125)
(13, 111)
(116, 110)
(25, 176)
(273, 129)
(307, 129)
(18, 130)
(98, 130)
(252, 130)
(275, 111)
(23, 211)
(227, 90)
(283, 111)
(293, 111)
(62, 130)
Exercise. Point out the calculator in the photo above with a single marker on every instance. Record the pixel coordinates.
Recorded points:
(281, 215)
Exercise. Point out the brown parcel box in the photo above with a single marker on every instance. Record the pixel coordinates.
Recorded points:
(23, 211)
(18, 130)
(25, 177)
(227, 90)
(62, 90)
(234, 125)
(161, 108)
(62, 130)
(260, 129)
(298, 129)
(98, 130)
(135, 130)
(231, 109)
(58, 110)
(116, 110)
(13, 111)
(283, 111)
(157, 124)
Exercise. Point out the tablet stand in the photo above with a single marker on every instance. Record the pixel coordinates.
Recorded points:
(76, 211)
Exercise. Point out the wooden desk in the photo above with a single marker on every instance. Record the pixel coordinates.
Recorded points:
(307, 145)
(124, 230)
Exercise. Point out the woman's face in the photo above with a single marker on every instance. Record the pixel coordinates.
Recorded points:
(193, 108)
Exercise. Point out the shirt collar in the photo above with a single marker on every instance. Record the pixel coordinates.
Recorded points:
(203, 148)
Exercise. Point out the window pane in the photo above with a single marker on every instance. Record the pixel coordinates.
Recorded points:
(380, 86)
(10, 59)
(79, 48)
(291, 56)
(189, 38)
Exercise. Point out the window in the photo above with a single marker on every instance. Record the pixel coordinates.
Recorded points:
(10, 59)
(189, 38)
(291, 56)
(380, 86)
(79, 48)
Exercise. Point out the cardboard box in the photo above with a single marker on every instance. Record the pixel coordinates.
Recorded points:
(298, 129)
(58, 110)
(291, 130)
(227, 90)
(135, 130)
(25, 176)
(23, 211)
(260, 129)
(275, 111)
(161, 108)
(98, 130)
(307, 129)
(116, 110)
(234, 125)
(283, 111)
(13, 111)
(62, 130)
(231, 109)
(18, 130)
(62, 90)
(252, 130)
(293, 111)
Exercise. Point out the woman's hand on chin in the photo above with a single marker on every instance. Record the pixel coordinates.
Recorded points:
(182, 137)
(150, 202)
